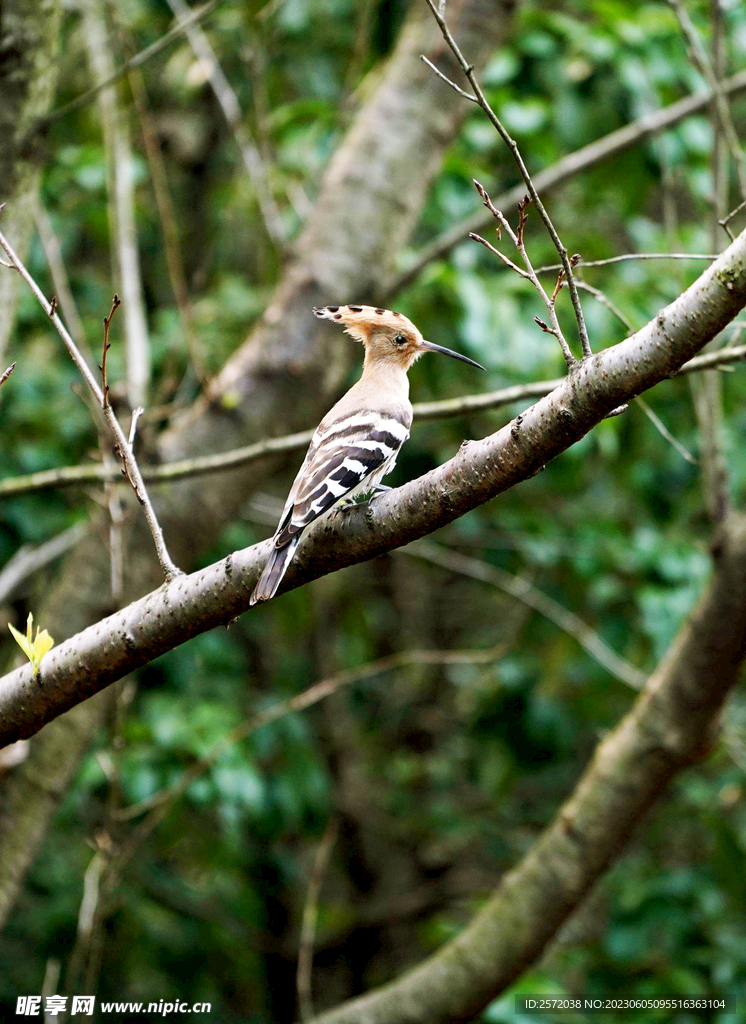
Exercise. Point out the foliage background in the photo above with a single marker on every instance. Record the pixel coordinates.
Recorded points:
(440, 777)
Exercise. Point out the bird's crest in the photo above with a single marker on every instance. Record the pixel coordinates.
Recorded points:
(360, 320)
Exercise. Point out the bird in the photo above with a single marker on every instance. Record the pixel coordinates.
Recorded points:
(357, 442)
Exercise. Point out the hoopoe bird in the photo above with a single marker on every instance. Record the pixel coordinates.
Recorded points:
(357, 442)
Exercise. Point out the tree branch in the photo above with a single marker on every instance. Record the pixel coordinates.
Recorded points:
(6, 374)
(127, 455)
(135, 62)
(121, 205)
(226, 97)
(568, 167)
(96, 657)
(521, 589)
(702, 62)
(669, 727)
(512, 145)
(518, 239)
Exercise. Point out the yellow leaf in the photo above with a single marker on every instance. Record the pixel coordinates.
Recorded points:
(42, 644)
(22, 642)
(34, 649)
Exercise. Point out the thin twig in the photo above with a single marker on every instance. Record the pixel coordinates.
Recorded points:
(707, 389)
(121, 194)
(447, 80)
(28, 559)
(125, 451)
(704, 65)
(169, 224)
(115, 304)
(639, 401)
(518, 240)
(729, 217)
(468, 70)
(140, 58)
(49, 987)
(522, 590)
(568, 167)
(306, 699)
(604, 299)
(137, 413)
(582, 264)
(500, 255)
(226, 97)
(87, 915)
(7, 374)
(180, 469)
(50, 243)
(310, 914)
(661, 427)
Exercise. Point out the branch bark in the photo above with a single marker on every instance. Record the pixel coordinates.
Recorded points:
(29, 35)
(368, 205)
(669, 727)
(147, 628)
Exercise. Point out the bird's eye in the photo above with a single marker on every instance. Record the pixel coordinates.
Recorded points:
(400, 339)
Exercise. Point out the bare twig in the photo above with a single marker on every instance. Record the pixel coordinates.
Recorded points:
(116, 527)
(604, 299)
(72, 476)
(28, 559)
(144, 55)
(234, 117)
(568, 167)
(169, 224)
(654, 419)
(662, 429)
(518, 240)
(523, 590)
(125, 451)
(4, 376)
(468, 70)
(137, 413)
(624, 257)
(725, 221)
(447, 80)
(53, 252)
(88, 916)
(121, 194)
(49, 987)
(500, 255)
(306, 699)
(115, 304)
(704, 65)
(310, 914)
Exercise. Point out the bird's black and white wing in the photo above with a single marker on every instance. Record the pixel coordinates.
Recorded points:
(346, 457)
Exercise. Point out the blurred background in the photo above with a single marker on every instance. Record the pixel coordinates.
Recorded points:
(400, 799)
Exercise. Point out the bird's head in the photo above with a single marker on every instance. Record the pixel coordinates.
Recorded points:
(388, 337)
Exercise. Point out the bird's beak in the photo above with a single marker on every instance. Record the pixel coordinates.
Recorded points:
(430, 346)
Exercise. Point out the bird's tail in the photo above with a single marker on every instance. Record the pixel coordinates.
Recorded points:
(274, 570)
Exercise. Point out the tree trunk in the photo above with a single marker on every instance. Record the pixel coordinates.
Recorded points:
(29, 34)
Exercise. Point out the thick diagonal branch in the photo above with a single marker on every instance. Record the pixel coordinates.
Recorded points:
(669, 727)
(481, 470)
